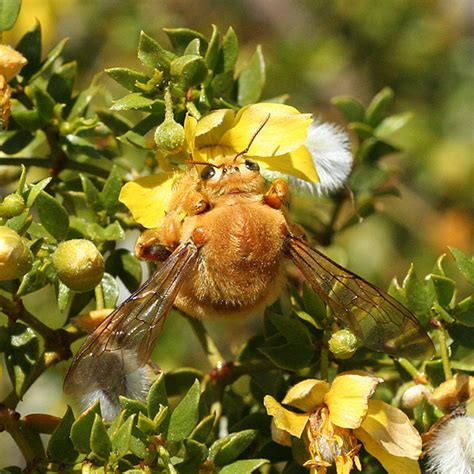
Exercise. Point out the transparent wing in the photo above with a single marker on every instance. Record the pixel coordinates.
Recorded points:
(378, 320)
(123, 342)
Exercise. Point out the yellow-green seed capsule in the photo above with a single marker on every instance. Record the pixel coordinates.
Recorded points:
(13, 205)
(343, 344)
(79, 264)
(15, 256)
(169, 136)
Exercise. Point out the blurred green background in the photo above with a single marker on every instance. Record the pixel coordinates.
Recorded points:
(314, 50)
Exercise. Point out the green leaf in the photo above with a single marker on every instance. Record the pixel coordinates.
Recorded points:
(362, 130)
(137, 101)
(35, 191)
(110, 290)
(352, 109)
(19, 140)
(372, 149)
(122, 263)
(157, 396)
(132, 407)
(252, 79)
(21, 355)
(444, 288)
(152, 55)
(186, 415)
(188, 71)
(100, 441)
(48, 62)
(91, 193)
(145, 424)
(117, 124)
(193, 47)
(61, 83)
(230, 50)
(127, 77)
(178, 381)
(378, 106)
(212, 53)
(64, 296)
(9, 10)
(289, 356)
(244, 466)
(465, 265)
(82, 427)
(291, 329)
(203, 429)
(60, 448)
(229, 448)
(392, 124)
(181, 37)
(82, 102)
(53, 216)
(30, 47)
(111, 191)
(464, 312)
(27, 119)
(112, 232)
(463, 335)
(120, 438)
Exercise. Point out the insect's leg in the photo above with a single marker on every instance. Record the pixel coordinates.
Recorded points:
(149, 246)
(197, 203)
(277, 194)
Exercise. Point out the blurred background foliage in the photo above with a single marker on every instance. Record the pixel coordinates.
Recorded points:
(314, 50)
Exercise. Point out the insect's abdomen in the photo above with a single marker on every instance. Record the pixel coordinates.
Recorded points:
(239, 271)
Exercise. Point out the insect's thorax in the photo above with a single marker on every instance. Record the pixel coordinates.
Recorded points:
(239, 270)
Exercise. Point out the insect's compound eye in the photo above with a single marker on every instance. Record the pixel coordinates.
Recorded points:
(208, 172)
(251, 165)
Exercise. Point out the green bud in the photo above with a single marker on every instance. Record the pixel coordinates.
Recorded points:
(189, 70)
(169, 136)
(79, 264)
(343, 344)
(15, 256)
(13, 205)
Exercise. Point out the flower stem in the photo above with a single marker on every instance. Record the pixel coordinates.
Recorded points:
(409, 367)
(443, 348)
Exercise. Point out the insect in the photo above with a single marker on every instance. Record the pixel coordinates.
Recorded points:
(224, 243)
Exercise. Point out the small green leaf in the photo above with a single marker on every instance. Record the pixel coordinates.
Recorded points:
(48, 62)
(53, 216)
(444, 288)
(157, 396)
(117, 124)
(134, 139)
(27, 119)
(230, 50)
(21, 355)
(193, 47)
(30, 47)
(60, 448)
(136, 101)
(145, 424)
(378, 106)
(464, 312)
(463, 335)
(61, 83)
(289, 356)
(178, 381)
(372, 149)
(185, 416)
(181, 37)
(392, 124)
(9, 10)
(362, 130)
(127, 77)
(120, 439)
(291, 329)
(227, 449)
(111, 191)
(188, 71)
(132, 407)
(244, 466)
(19, 140)
(82, 427)
(203, 429)
(113, 231)
(212, 53)
(64, 296)
(110, 290)
(91, 193)
(465, 265)
(352, 109)
(122, 263)
(152, 55)
(35, 191)
(100, 441)
(82, 102)
(252, 79)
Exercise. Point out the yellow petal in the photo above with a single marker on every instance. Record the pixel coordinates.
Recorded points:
(391, 429)
(280, 436)
(148, 197)
(293, 423)
(347, 398)
(211, 127)
(285, 130)
(297, 163)
(392, 464)
(190, 124)
(307, 395)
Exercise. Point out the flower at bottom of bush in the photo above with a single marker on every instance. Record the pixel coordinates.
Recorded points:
(333, 418)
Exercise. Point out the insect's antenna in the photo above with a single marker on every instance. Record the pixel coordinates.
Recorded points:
(243, 152)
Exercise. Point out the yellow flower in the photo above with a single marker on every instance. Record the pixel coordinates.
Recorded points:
(335, 417)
